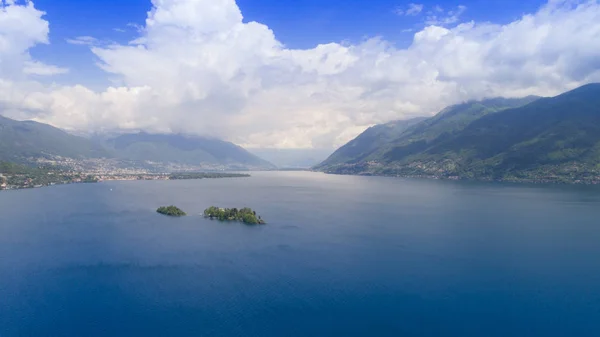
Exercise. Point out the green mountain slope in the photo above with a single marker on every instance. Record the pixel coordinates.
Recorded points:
(20, 141)
(369, 141)
(413, 135)
(550, 139)
(183, 150)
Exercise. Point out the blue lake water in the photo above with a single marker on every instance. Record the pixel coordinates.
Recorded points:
(341, 256)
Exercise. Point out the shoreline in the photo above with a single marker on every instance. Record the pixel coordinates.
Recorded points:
(99, 178)
(540, 181)
(164, 177)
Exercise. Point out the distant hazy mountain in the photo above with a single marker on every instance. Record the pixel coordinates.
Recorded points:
(26, 141)
(550, 139)
(22, 140)
(293, 158)
(187, 150)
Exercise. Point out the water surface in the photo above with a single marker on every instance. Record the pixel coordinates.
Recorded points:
(341, 256)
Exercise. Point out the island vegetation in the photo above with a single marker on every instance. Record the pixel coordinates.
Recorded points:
(171, 211)
(245, 215)
(205, 175)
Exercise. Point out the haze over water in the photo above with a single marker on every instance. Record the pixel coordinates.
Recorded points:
(341, 256)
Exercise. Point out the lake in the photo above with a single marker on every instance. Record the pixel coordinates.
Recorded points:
(341, 256)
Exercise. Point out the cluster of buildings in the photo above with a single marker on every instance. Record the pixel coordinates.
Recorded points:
(121, 167)
(123, 177)
(63, 170)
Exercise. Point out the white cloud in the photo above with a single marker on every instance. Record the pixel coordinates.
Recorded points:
(439, 18)
(42, 69)
(22, 27)
(135, 26)
(412, 10)
(84, 40)
(198, 68)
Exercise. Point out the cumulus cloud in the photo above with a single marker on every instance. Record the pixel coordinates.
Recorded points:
(197, 67)
(21, 27)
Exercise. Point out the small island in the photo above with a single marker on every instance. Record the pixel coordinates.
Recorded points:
(171, 211)
(245, 215)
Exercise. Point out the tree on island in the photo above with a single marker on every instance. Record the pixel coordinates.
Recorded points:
(245, 215)
(171, 211)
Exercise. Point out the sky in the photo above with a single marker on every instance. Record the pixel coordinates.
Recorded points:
(281, 74)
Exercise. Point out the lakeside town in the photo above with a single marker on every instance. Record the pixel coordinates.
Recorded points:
(114, 166)
(36, 180)
(60, 171)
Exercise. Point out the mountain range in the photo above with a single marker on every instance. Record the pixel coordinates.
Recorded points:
(522, 139)
(28, 141)
(183, 149)
(527, 139)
